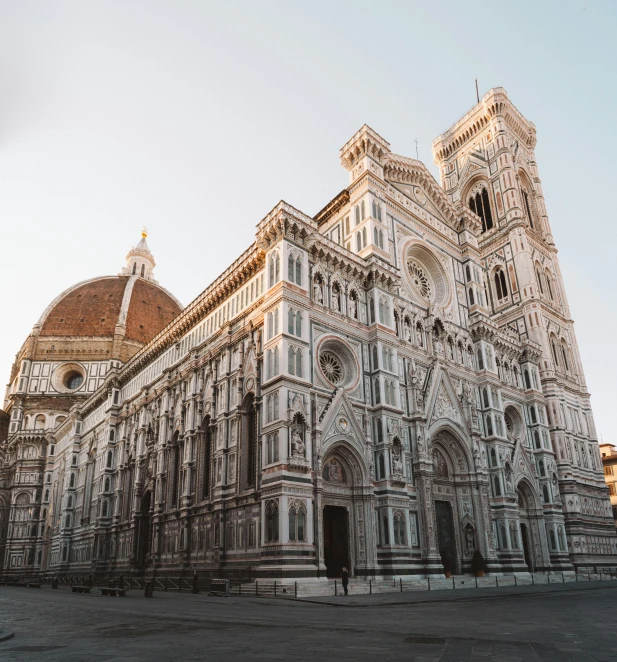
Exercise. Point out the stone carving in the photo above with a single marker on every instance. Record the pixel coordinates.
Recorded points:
(443, 405)
(298, 448)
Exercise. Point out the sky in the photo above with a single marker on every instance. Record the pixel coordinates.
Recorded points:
(194, 118)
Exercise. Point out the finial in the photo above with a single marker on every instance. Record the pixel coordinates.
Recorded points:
(144, 231)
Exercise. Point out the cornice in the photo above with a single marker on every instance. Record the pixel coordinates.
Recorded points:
(494, 103)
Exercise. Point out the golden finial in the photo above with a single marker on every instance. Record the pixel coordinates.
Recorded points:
(144, 231)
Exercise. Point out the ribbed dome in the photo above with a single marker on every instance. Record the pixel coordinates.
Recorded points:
(97, 307)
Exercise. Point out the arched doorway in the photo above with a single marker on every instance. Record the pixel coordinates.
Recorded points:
(345, 512)
(453, 503)
(525, 501)
(143, 532)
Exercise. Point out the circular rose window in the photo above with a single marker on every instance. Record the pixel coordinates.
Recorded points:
(338, 363)
(331, 366)
(424, 275)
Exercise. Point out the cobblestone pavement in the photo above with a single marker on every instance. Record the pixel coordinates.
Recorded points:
(532, 623)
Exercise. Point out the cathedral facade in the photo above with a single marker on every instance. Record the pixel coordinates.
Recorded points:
(389, 382)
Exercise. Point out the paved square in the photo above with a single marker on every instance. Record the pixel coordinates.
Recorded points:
(530, 623)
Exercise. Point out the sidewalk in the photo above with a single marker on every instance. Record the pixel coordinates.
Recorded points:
(461, 595)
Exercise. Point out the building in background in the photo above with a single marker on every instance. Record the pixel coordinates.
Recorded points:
(392, 380)
(609, 462)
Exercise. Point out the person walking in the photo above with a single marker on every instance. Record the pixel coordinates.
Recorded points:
(345, 579)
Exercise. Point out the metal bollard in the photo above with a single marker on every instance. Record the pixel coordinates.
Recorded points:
(149, 589)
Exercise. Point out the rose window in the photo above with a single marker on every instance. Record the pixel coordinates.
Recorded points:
(331, 367)
(419, 279)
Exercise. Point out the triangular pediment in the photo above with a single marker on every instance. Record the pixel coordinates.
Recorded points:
(340, 420)
(443, 401)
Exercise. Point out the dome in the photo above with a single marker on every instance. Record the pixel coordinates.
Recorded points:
(97, 307)
(111, 317)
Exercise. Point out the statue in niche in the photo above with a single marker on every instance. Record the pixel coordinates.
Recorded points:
(298, 447)
(353, 308)
(336, 299)
(469, 539)
(397, 465)
(317, 292)
(333, 471)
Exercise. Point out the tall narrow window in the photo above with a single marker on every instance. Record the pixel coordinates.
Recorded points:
(527, 207)
(480, 205)
(291, 268)
(298, 363)
(500, 284)
(362, 210)
(299, 324)
(291, 361)
(291, 321)
(298, 271)
(206, 455)
(357, 214)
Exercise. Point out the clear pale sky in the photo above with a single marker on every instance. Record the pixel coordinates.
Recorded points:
(196, 118)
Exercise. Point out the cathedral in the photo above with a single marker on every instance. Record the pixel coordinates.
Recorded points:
(390, 382)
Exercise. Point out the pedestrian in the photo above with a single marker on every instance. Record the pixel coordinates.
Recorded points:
(345, 579)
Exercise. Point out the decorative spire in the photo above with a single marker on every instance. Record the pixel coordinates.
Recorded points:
(140, 261)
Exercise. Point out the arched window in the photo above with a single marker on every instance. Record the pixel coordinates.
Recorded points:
(527, 380)
(291, 268)
(500, 284)
(479, 204)
(67, 521)
(72, 480)
(496, 486)
(299, 324)
(468, 272)
(536, 439)
(364, 233)
(298, 363)
(489, 426)
(546, 497)
(39, 422)
(298, 271)
(485, 397)
(291, 361)
(357, 214)
(110, 457)
(471, 297)
(375, 236)
(69, 501)
(381, 464)
(297, 522)
(272, 521)
(107, 484)
(291, 321)
(143, 270)
(104, 508)
(539, 279)
(541, 469)
(493, 456)
(549, 284)
(554, 353)
(480, 359)
(276, 360)
(527, 207)
(270, 325)
(400, 525)
(358, 241)
(564, 353)
(46, 495)
(112, 434)
(134, 268)
(362, 210)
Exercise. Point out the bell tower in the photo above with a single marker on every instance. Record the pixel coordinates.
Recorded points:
(488, 165)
